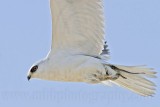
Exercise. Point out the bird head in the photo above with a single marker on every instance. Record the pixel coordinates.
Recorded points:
(35, 70)
(32, 71)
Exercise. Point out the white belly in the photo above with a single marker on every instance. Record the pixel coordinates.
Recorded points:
(72, 68)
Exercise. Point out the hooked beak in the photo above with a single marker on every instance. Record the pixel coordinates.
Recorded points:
(28, 77)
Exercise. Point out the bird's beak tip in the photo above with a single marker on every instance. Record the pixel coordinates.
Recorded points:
(28, 77)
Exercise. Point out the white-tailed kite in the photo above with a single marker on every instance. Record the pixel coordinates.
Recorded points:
(76, 53)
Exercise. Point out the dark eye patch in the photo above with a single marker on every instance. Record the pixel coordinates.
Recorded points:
(34, 68)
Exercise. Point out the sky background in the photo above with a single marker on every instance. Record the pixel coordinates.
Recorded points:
(133, 35)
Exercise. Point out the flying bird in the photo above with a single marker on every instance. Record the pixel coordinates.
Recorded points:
(79, 52)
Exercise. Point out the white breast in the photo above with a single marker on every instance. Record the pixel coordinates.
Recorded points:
(75, 68)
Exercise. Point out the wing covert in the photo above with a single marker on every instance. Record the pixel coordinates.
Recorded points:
(77, 26)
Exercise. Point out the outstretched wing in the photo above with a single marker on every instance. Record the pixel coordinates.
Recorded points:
(77, 26)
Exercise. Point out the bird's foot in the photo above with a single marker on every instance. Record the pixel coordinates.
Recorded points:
(113, 77)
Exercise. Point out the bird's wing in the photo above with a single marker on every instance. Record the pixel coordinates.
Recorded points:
(77, 26)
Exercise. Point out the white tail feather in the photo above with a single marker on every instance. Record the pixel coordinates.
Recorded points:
(135, 79)
(138, 69)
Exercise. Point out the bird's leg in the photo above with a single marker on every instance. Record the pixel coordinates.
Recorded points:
(113, 77)
(111, 74)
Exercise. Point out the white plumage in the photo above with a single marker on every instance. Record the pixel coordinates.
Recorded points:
(77, 43)
(78, 26)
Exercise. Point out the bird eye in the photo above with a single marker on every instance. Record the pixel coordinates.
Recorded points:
(34, 68)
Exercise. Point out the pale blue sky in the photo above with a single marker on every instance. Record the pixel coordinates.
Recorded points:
(133, 35)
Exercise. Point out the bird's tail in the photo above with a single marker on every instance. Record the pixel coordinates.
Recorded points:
(134, 78)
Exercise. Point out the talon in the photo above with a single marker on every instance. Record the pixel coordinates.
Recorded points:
(107, 73)
(111, 77)
(123, 76)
